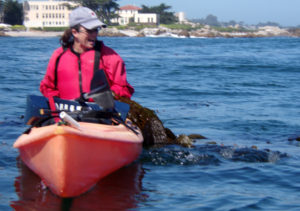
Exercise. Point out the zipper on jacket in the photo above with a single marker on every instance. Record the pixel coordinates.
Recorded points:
(80, 74)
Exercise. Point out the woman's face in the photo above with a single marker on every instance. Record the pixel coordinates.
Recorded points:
(84, 39)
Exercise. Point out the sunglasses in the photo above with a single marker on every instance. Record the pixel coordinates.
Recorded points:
(90, 31)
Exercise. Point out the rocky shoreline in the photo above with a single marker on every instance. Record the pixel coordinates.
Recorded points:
(30, 34)
(206, 31)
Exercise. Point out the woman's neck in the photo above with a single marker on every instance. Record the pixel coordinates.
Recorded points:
(78, 48)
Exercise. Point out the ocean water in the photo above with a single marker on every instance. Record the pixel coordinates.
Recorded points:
(242, 94)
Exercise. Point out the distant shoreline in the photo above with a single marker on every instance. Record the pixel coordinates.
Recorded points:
(268, 31)
(32, 34)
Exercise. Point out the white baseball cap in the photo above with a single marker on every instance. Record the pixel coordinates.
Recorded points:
(85, 17)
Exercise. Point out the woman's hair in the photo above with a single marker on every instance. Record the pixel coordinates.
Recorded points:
(67, 39)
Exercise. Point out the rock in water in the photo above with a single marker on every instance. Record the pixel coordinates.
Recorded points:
(196, 136)
(154, 132)
(152, 128)
(184, 140)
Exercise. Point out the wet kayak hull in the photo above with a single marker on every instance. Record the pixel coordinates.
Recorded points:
(70, 161)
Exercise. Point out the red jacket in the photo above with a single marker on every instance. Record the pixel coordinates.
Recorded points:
(68, 71)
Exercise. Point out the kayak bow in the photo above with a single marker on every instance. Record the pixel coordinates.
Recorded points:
(70, 161)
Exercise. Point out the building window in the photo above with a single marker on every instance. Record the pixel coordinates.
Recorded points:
(37, 15)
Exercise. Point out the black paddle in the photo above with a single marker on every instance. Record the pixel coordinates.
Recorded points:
(100, 91)
(102, 95)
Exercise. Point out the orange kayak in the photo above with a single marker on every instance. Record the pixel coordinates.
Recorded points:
(70, 161)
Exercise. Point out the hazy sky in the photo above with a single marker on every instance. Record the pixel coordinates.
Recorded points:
(284, 12)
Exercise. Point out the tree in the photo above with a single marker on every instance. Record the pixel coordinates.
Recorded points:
(269, 23)
(211, 20)
(13, 12)
(232, 23)
(105, 9)
(165, 17)
(1, 5)
(1, 10)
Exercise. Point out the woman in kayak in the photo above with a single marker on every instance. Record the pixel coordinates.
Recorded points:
(71, 67)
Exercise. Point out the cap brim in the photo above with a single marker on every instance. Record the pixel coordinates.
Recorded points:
(93, 24)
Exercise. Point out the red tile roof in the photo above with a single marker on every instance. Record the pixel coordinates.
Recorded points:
(129, 7)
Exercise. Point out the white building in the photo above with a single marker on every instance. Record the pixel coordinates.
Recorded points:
(181, 17)
(51, 13)
(130, 13)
